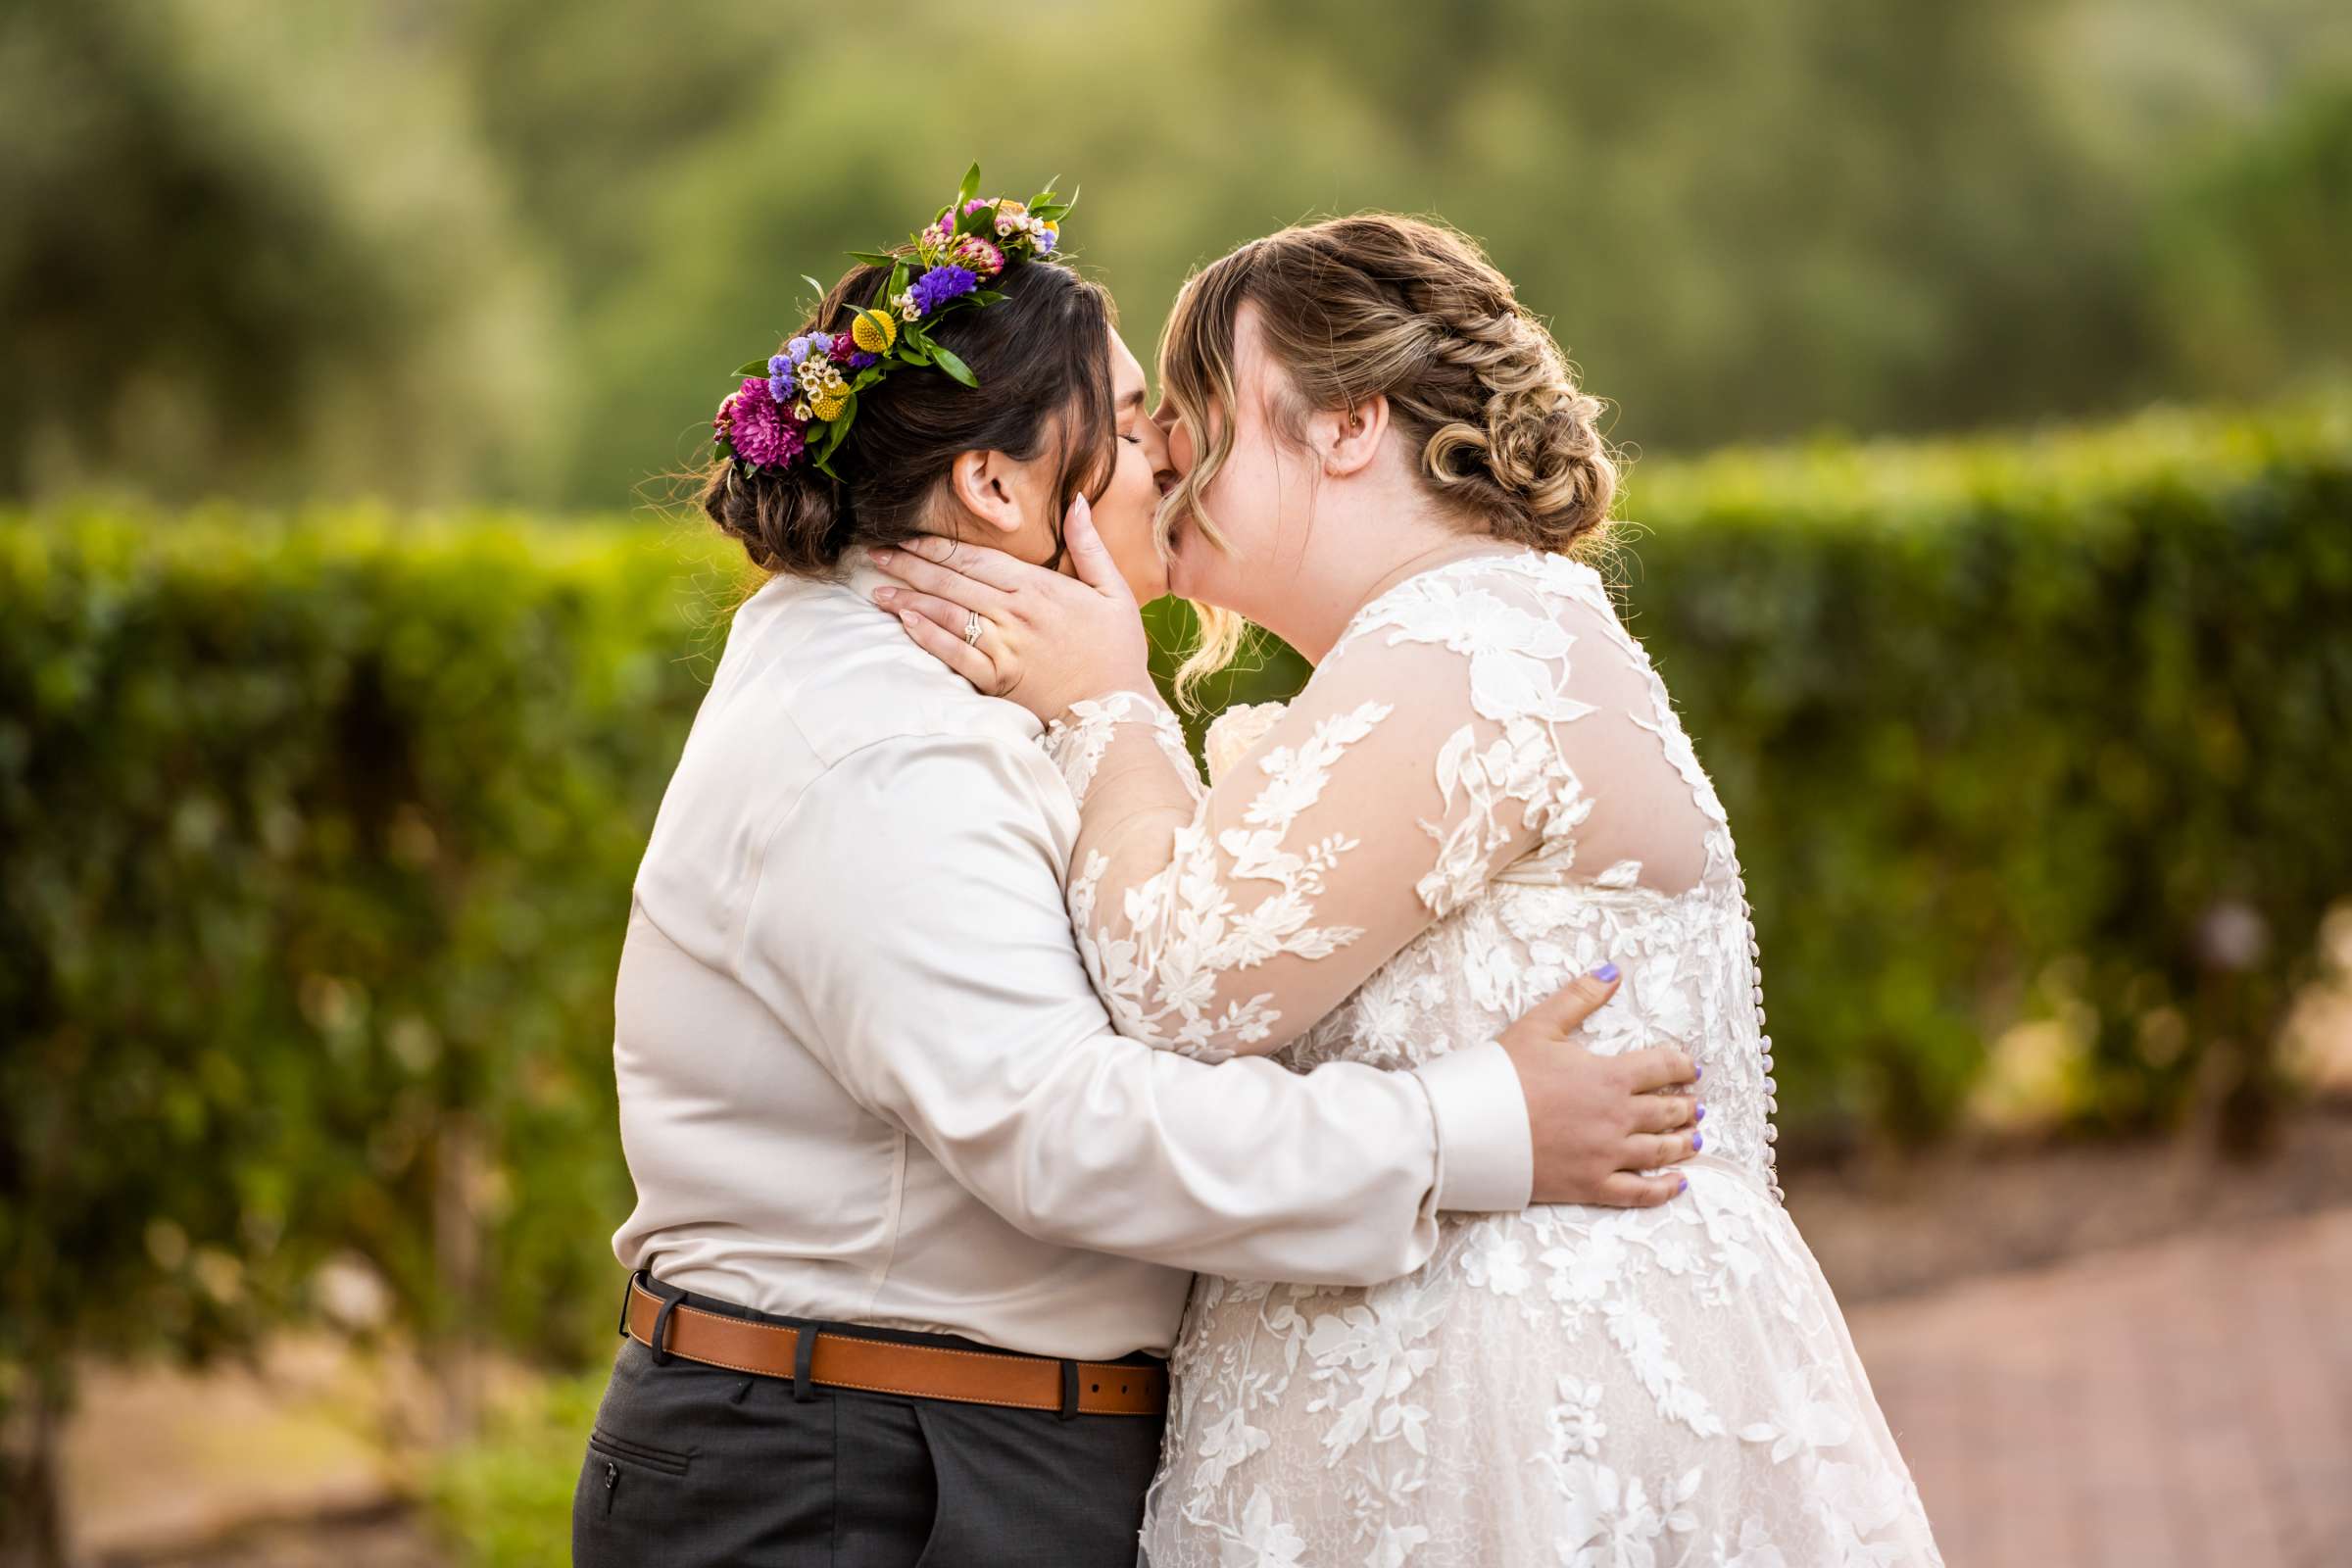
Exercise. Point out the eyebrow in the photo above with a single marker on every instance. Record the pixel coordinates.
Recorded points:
(1133, 400)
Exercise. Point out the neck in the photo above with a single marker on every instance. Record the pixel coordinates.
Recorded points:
(1349, 561)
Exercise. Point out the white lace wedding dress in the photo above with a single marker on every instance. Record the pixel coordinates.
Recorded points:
(1483, 792)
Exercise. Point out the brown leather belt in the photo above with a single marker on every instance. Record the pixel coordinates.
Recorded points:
(881, 1366)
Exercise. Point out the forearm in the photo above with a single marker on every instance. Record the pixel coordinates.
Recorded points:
(961, 1013)
(1241, 1169)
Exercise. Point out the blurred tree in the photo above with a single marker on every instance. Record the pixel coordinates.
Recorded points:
(241, 256)
(2252, 252)
(449, 247)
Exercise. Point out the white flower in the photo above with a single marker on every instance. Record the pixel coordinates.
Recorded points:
(1576, 1424)
(1609, 1521)
(1264, 1541)
(1225, 1444)
(1232, 733)
(1395, 1543)
(1756, 1549)
(1496, 1263)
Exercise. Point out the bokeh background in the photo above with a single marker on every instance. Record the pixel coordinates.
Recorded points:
(1983, 371)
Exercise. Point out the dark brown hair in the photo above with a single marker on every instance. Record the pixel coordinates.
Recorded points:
(1042, 355)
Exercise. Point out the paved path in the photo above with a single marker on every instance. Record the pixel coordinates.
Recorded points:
(2179, 1403)
(2183, 1404)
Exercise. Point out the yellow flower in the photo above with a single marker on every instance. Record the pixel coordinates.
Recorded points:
(827, 405)
(874, 331)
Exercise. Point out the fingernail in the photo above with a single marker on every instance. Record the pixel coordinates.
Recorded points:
(1606, 973)
(1698, 1071)
(885, 595)
(878, 555)
(1698, 1141)
(1685, 1186)
(1703, 1115)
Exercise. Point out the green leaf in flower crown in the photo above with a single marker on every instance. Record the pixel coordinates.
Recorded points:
(914, 350)
(980, 220)
(822, 443)
(898, 281)
(814, 284)
(752, 368)
(874, 257)
(969, 188)
(986, 296)
(954, 366)
(1045, 195)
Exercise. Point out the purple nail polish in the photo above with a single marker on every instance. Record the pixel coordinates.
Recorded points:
(1703, 1115)
(1685, 1186)
(1698, 1071)
(1606, 973)
(1698, 1141)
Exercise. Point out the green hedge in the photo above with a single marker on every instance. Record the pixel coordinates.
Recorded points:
(319, 834)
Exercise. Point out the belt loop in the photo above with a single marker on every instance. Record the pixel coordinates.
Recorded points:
(804, 1351)
(628, 1296)
(661, 1328)
(1069, 1391)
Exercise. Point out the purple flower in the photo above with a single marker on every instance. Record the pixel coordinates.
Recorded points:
(781, 383)
(1044, 240)
(757, 428)
(941, 285)
(860, 360)
(796, 349)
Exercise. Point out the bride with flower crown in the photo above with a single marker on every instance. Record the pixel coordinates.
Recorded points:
(1483, 791)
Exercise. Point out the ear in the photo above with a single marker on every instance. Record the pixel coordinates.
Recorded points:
(982, 483)
(1350, 437)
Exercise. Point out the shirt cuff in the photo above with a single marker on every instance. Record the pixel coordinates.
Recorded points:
(1486, 1153)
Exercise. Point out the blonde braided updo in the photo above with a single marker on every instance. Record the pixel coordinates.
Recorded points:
(1377, 305)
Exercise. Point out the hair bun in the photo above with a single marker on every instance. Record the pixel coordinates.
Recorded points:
(1529, 454)
(784, 519)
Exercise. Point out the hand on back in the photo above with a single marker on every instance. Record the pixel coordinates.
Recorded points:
(1604, 1129)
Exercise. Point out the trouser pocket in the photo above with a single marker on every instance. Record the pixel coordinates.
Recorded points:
(693, 1466)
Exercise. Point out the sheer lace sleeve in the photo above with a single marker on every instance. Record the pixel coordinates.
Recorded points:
(1466, 719)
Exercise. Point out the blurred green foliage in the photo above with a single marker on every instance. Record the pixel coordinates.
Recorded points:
(447, 251)
(503, 1500)
(319, 834)
(320, 829)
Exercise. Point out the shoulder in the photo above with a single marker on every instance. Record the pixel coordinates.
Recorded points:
(1510, 618)
(815, 654)
(1479, 601)
(829, 739)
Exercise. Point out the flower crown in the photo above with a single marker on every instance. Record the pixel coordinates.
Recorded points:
(798, 404)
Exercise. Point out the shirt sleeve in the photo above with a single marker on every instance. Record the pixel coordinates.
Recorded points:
(909, 927)
(1448, 735)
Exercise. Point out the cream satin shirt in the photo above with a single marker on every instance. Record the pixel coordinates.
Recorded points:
(864, 1077)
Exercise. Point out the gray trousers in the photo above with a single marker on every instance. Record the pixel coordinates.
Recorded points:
(692, 1465)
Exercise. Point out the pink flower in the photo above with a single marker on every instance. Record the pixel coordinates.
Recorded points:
(757, 428)
(976, 255)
